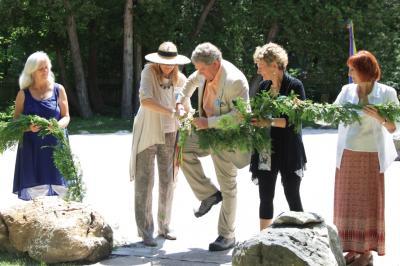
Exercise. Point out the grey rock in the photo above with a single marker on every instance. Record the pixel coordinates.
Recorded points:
(297, 218)
(295, 238)
(335, 245)
(52, 230)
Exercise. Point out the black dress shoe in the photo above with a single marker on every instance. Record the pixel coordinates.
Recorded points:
(206, 204)
(222, 243)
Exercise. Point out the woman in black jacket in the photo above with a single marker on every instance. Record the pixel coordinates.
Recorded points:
(287, 156)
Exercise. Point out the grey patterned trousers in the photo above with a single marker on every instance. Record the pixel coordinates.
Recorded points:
(144, 182)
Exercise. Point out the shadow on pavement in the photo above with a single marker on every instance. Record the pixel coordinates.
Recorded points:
(138, 254)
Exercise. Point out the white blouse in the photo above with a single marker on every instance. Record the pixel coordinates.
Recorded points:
(167, 98)
(360, 136)
(380, 94)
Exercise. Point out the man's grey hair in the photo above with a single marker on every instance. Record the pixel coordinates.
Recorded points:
(206, 53)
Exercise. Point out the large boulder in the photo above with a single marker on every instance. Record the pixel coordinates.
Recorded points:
(52, 230)
(5, 244)
(294, 238)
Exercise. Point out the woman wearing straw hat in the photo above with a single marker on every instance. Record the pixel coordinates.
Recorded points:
(154, 133)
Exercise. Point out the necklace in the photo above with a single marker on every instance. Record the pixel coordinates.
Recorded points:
(276, 84)
(166, 83)
(40, 93)
(274, 92)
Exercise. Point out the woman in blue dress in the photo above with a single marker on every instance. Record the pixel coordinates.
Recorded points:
(35, 173)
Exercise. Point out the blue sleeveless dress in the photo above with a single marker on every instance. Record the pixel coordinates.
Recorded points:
(35, 172)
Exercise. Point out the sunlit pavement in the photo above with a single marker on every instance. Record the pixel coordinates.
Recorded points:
(105, 162)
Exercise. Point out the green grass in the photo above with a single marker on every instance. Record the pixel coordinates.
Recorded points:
(7, 259)
(11, 259)
(99, 124)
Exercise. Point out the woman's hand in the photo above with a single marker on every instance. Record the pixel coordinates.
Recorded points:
(373, 112)
(180, 110)
(261, 122)
(200, 122)
(34, 128)
(297, 101)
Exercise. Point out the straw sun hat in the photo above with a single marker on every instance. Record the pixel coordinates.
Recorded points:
(167, 54)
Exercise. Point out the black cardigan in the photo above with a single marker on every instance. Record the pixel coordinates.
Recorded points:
(288, 152)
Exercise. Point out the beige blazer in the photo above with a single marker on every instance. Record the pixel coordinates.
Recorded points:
(148, 128)
(232, 84)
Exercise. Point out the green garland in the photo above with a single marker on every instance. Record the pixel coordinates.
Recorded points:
(233, 133)
(11, 132)
(236, 132)
(297, 111)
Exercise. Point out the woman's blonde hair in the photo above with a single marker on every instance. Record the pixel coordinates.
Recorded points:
(271, 52)
(32, 64)
(159, 74)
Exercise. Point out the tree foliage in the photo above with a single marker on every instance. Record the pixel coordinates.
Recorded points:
(313, 32)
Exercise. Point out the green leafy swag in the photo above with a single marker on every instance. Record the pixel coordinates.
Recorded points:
(11, 132)
(235, 132)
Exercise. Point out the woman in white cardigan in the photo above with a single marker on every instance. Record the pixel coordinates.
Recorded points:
(154, 134)
(364, 152)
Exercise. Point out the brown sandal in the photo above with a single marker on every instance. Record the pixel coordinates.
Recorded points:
(168, 236)
(363, 261)
(350, 257)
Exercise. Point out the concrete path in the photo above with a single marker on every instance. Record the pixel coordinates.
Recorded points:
(104, 160)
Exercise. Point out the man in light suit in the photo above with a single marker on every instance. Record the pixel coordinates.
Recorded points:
(219, 83)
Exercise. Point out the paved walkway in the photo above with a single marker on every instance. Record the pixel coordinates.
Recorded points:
(104, 160)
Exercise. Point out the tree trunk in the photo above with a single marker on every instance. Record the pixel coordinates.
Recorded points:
(81, 88)
(273, 31)
(255, 81)
(95, 96)
(127, 82)
(72, 98)
(203, 17)
(138, 69)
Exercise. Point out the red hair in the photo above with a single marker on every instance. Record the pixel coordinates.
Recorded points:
(366, 65)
